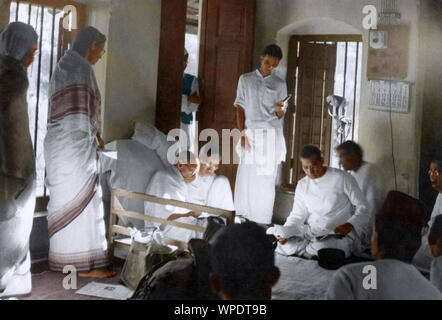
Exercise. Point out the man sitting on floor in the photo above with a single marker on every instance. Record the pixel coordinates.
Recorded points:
(368, 176)
(323, 215)
(396, 238)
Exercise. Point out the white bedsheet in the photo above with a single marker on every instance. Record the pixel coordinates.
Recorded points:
(301, 279)
(132, 170)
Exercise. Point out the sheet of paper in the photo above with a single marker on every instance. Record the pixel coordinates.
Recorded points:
(105, 290)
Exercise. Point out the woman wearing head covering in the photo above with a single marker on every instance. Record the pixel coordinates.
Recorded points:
(75, 209)
(18, 43)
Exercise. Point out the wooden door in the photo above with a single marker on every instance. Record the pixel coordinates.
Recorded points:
(170, 64)
(226, 52)
(312, 125)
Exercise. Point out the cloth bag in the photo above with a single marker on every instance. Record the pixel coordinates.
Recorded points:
(142, 259)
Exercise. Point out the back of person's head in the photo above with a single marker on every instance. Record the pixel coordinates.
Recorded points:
(309, 151)
(435, 236)
(85, 38)
(352, 149)
(396, 240)
(398, 226)
(243, 262)
(273, 51)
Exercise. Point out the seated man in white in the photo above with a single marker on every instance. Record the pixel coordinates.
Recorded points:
(172, 183)
(369, 178)
(435, 242)
(423, 258)
(208, 189)
(396, 237)
(328, 203)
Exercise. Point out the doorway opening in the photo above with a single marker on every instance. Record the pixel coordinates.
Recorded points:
(319, 66)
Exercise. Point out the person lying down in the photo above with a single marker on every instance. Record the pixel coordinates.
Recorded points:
(188, 181)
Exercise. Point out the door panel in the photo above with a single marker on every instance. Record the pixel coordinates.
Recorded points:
(316, 68)
(226, 52)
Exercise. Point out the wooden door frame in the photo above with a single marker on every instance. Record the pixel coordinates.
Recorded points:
(170, 64)
(289, 120)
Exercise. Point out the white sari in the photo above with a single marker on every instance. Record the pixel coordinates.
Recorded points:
(75, 210)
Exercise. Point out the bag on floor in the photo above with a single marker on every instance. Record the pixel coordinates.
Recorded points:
(145, 258)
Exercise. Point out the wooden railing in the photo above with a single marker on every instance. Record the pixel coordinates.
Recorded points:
(117, 210)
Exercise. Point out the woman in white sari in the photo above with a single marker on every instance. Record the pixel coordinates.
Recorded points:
(75, 210)
(18, 43)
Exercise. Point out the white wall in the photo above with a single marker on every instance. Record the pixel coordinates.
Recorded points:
(277, 20)
(127, 73)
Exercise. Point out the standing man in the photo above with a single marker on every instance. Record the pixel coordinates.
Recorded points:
(259, 114)
(190, 100)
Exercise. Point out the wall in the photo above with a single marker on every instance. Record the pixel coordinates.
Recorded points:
(430, 56)
(127, 73)
(277, 20)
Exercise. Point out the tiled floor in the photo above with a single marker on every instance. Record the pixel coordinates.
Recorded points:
(47, 285)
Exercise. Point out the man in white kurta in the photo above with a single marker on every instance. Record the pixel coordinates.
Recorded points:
(327, 202)
(391, 276)
(260, 112)
(369, 178)
(423, 257)
(435, 243)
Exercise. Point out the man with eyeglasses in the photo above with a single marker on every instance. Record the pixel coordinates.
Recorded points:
(423, 257)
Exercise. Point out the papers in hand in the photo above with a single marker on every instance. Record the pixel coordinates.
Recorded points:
(109, 153)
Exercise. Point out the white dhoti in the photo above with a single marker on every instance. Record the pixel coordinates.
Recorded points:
(309, 248)
(257, 172)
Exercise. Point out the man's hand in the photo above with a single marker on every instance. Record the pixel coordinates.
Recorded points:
(194, 214)
(245, 143)
(281, 240)
(344, 229)
(194, 98)
(176, 216)
(280, 109)
(100, 141)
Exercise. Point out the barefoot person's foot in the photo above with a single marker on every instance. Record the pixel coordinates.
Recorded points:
(98, 273)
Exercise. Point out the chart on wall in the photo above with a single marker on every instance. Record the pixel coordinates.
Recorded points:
(389, 95)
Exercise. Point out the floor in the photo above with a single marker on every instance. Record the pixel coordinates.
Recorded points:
(47, 285)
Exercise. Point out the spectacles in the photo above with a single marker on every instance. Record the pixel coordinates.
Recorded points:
(433, 172)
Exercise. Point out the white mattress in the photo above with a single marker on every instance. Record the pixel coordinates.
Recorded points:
(301, 279)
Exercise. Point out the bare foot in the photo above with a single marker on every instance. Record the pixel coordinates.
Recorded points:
(98, 273)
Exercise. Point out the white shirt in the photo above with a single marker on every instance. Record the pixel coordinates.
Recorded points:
(258, 95)
(322, 204)
(436, 273)
(213, 191)
(394, 279)
(437, 209)
(371, 183)
(167, 184)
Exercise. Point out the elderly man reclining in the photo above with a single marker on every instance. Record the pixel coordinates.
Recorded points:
(192, 181)
(329, 211)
